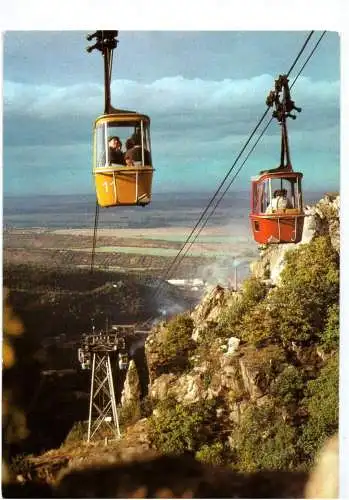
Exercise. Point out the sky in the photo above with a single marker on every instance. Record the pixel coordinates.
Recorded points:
(204, 91)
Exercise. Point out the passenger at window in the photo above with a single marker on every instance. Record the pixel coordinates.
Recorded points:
(279, 201)
(134, 150)
(116, 156)
(128, 161)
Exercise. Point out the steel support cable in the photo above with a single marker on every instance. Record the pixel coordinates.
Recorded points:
(110, 65)
(226, 190)
(172, 265)
(300, 52)
(249, 153)
(94, 237)
(217, 190)
(307, 59)
(170, 268)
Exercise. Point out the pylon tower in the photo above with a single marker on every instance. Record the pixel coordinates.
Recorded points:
(102, 409)
(96, 352)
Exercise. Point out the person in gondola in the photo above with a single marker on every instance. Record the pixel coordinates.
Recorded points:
(134, 151)
(116, 156)
(279, 201)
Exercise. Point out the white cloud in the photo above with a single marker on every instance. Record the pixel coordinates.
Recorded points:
(198, 126)
(166, 95)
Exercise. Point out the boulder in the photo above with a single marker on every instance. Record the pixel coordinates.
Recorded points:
(210, 308)
(233, 344)
(160, 387)
(131, 390)
(258, 366)
(189, 389)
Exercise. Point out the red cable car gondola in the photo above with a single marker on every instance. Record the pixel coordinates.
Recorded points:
(276, 195)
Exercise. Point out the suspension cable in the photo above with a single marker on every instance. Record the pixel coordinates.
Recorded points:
(307, 59)
(247, 156)
(106, 43)
(300, 52)
(94, 237)
(175, 263)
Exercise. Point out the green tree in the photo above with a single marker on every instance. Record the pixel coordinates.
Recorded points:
(330, 335)
(176, 428)
(253, 292)
(288, 386)
(177, 339)
(322, 405)
(264, 440)
(309, 286)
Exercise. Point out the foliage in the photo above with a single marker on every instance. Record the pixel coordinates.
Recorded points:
(258, 325)
(134, 410)
(176, 428)
(177, 342)
(288, 386)
(207, 351)
(129, 413)
(322, 405)
(77, 433)
(264, 440)
(301, 309)
(253, 292)
(212, 454)
(309, 287)
(330, 335)
(286, 432)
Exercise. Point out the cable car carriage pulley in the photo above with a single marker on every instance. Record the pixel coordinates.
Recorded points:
(276, 195)
(122, 165)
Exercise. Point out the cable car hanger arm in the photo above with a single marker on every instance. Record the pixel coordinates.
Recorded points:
(106, 42)
(283, 106)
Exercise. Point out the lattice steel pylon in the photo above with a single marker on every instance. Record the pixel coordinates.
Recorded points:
(102, 409)
(95, 354)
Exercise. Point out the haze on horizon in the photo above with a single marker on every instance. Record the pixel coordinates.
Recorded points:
(202, 97)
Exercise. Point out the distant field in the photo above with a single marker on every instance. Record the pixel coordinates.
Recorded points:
(130, 249)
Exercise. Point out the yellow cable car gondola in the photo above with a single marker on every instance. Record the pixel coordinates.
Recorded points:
(122, 162)
(123, 176)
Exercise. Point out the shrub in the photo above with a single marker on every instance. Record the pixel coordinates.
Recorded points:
(130, 413)
(309, 286)
(178, 335)
(175, 428)
(322, 405)
(264, 441)
(258, 325)
(330, 335)
(254, 291)
(288, 386)
(77, 433)
(213, 454)
(294, 311)
(177, 342)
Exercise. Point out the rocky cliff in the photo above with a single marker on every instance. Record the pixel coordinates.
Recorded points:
(255, 355)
